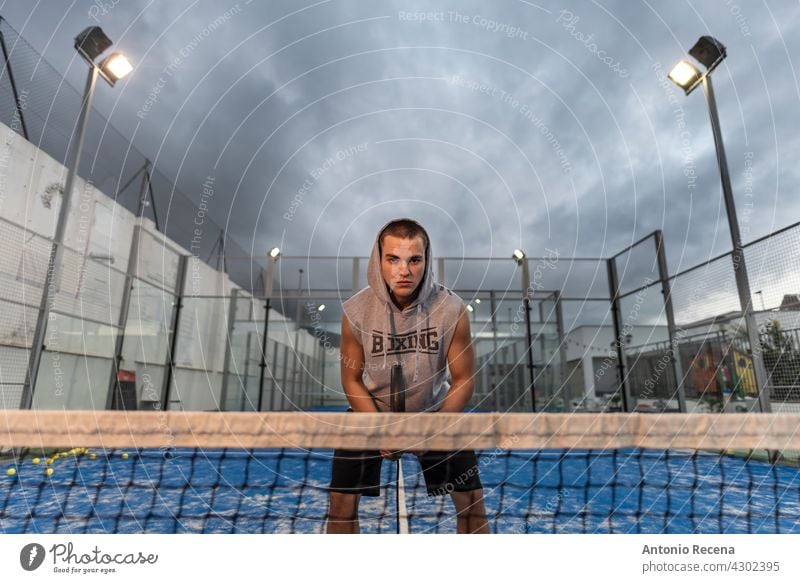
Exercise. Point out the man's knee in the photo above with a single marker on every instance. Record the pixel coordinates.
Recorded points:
(343, 506)
(468, 502)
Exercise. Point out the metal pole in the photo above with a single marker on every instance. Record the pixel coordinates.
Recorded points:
(272, 383)
(562, 344)
(263, 364)
(226, 363)
(264, 340)
(672, 350)
(492, 368)
(526, 291)
(297, 397)
(57, 250)
(243, 400)
(739, 266)
(284, 382)
(130, 274)
(17, 102)
(183, 262)
(613, 286)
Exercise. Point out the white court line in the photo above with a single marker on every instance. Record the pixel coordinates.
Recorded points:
(402, 514)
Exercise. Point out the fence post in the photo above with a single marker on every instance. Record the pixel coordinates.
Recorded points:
(130, 277)
(183, 262)
(666, 291)
(613, 288)
(226, 363)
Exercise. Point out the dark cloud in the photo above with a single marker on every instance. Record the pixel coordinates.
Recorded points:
(499, 126)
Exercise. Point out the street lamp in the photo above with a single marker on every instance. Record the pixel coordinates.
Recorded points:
(710, 53)
(90, 44)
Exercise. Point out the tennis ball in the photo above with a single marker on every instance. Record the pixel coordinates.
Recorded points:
(124, 456)
(35, 461)
(10, 472)
(92, 456)
(49, 461)
(49, 471)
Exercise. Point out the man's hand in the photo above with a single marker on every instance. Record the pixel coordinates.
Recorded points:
(391, 455)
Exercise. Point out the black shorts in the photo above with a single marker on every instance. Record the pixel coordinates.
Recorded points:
(359, 472)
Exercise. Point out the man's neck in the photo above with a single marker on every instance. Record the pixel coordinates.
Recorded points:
(403, 305)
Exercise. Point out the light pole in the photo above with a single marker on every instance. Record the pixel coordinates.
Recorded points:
(272, 258)
(90, 44)
(522, 261)
(710, 52)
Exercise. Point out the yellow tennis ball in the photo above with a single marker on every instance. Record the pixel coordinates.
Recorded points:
(49, 471)
(49, 461)
(92, 456)
(124, 456)
(35, 461)
(10, 472)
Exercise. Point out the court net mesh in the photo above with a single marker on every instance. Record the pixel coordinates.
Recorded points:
(102, 472)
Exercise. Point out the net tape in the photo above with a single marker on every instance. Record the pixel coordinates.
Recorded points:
(438, 431)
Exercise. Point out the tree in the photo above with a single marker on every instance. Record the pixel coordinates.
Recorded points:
(781, 356)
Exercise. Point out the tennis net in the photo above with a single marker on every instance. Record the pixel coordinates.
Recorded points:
(103, 472)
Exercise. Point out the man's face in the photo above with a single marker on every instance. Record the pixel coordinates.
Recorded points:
(402, 266)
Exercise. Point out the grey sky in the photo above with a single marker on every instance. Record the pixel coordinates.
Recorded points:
(498, 125)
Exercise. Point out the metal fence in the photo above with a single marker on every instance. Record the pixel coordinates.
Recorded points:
(201, 331)
(199, 343)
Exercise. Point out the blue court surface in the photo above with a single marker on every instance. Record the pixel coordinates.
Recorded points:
(274, 491)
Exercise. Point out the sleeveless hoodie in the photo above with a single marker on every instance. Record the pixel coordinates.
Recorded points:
(417, 337)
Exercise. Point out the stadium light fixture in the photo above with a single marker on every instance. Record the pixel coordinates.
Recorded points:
(685, 75)
(710, 53)
(518, 256)
(116, 66)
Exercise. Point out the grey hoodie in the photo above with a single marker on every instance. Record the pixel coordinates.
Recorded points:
(418, 337)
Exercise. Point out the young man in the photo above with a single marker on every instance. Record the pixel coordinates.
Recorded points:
(404, 317)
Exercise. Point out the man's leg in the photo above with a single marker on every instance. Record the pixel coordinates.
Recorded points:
(343, 513)
(471, 512)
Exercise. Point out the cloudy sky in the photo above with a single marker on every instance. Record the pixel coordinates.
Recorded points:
(497, 124)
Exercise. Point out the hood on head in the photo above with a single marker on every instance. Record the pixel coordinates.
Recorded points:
(375, 278)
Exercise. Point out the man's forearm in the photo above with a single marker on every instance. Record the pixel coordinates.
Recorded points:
(458, 396)
(359, 397)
